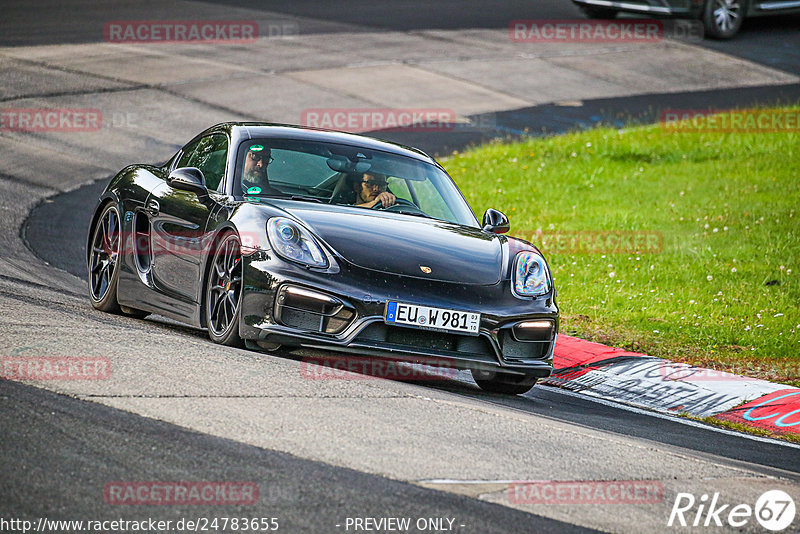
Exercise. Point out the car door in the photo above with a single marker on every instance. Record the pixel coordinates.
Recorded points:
(178, 223)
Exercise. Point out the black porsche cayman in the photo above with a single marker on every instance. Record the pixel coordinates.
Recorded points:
(270, 235)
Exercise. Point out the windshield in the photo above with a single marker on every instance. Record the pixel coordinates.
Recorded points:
(348, 175)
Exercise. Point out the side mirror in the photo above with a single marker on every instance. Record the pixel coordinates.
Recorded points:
(495, 221)
(188, 179)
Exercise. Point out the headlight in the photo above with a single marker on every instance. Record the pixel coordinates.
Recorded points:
(531, 278)
(293, 242)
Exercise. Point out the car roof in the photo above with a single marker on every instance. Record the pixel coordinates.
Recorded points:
(242, 131)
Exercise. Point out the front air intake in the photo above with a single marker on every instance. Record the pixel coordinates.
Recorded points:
(312, 311)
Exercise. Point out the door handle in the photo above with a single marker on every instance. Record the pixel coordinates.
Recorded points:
(152, 207)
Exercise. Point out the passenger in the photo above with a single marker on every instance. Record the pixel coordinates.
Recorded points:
(366, 191)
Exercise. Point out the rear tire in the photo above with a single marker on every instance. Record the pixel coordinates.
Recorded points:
(506, 383)
(103, 261)
(599, 12)
(223, 291)
(723, 18)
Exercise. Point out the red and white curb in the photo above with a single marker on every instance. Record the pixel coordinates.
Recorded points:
(668, 387)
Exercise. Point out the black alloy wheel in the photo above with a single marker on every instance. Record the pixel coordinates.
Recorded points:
(103, 260)
(224, 291)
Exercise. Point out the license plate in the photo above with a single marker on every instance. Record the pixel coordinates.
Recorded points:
(432, 318)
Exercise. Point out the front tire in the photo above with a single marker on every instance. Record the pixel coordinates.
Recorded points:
(104, 260)
(506, 383)
(723, 18)
(223, 294)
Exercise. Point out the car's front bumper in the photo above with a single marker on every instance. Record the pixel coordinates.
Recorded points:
(358, 328)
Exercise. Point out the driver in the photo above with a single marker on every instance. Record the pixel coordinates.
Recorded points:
(370, 190)
(254, 177)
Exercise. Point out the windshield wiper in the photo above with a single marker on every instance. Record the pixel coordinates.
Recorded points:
(284, 196)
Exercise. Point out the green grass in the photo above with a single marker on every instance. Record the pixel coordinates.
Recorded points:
(723, 290)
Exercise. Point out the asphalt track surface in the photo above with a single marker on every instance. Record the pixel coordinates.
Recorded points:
(58, 451)
(89, 445)
(772, 41)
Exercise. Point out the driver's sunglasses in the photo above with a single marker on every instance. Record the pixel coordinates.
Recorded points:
(374, 183)
(260, 157)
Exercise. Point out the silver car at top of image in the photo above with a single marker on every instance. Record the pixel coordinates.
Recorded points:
(721, 19)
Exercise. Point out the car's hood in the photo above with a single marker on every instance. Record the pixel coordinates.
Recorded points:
(407, 245)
